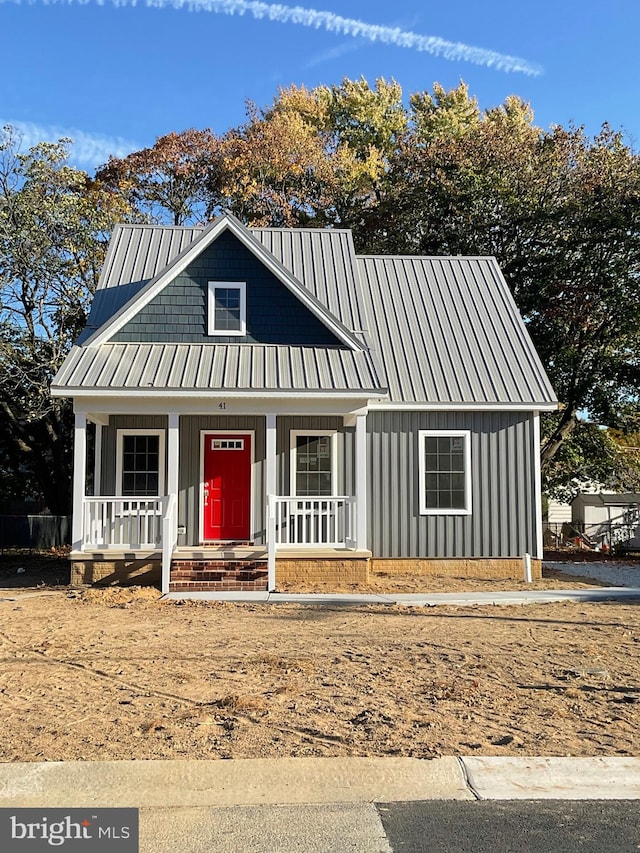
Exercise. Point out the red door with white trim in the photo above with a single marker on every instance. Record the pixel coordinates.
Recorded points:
(227, 488)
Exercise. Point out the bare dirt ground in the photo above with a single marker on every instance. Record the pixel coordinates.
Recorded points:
(117, 674)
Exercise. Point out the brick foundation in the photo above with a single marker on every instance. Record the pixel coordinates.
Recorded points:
(488, 569)
(123, 572)
(218, 576)
(338, 571)
(202, 575)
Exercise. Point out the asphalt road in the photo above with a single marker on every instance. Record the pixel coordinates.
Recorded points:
(531, 826)
(436, 826)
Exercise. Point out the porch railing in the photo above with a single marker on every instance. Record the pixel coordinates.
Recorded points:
(111, 522)
(303, 522)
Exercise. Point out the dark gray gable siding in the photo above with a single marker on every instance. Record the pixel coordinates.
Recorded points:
(179, 313)
(502, 522)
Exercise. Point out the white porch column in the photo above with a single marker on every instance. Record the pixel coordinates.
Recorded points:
(173, 451)
(79, 480)
(170, 524)
(270, 482)
(361, 482)
(97, 462)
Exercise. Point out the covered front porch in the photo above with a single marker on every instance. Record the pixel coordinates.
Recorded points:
(298, 500)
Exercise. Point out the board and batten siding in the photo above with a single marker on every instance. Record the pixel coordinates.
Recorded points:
(503, 518)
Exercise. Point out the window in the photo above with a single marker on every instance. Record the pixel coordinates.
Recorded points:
(445, 472)
(140, 463)
(313, 463)
(227, 308)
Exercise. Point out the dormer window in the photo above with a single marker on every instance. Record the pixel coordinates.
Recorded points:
(227, 308)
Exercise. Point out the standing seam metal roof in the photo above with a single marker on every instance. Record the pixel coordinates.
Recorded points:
(446, 330)
(220, 367)
(450, 332)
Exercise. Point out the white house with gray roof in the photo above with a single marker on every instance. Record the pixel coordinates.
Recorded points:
(267, 407)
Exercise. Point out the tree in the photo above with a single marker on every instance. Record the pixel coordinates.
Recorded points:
(177, 178)
(315, 156)
(561, 212)
(54, 225)
(275, 171)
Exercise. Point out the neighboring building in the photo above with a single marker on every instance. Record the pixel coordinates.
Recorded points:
(267, 395)
(608, 519)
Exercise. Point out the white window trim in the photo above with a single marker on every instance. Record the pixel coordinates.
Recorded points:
(211, 305)
(162, 462)
(444, 433)
(293, 458)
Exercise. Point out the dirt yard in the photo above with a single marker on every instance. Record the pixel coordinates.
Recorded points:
(116, 674)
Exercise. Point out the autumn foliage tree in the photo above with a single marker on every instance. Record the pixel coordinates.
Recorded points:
(55, 223)
(558, 209)
(176, 178)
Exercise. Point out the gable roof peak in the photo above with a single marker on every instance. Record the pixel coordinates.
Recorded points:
(225, 222)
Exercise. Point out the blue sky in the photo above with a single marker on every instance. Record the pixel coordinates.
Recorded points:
(118, 76)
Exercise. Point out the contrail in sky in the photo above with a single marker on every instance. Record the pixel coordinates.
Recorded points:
(332, 23)
(88, 150)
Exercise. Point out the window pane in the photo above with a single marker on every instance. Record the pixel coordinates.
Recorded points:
(227, 314)
(140, 465)
(127, 484)
(445, 480)
(457, 482)
(457, 500)
(313, 465)
(431, 445)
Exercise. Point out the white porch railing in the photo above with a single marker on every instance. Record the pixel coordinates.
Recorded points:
(314, 522)
(116, 523)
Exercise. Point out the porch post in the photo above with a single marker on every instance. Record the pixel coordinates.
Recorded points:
(270, 478)
(79, 480)
(170, 530)
(173, 446)
(361, 482)
(97, 462)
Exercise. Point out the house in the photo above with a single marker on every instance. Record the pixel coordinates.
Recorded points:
(263, 405)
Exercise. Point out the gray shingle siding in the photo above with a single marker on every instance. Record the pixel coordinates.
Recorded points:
(179, 313)
(502, 522)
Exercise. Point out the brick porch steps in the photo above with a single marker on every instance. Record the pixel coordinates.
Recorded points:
(220, 575)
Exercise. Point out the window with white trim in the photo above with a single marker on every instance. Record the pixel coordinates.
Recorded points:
(445, 472)
(227, 308)
(140, 463)
(313, 461)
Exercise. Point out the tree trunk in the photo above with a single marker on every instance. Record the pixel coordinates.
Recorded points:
(554, 442)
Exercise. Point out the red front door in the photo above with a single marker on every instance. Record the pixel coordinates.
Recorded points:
(227, 488)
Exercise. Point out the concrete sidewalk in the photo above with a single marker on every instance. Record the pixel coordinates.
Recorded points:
(290, 781)
(526, 596)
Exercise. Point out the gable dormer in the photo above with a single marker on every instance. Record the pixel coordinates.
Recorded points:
(224, 286)
(226, 295)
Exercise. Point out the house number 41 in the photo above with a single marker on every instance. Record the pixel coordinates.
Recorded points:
(222, 405)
